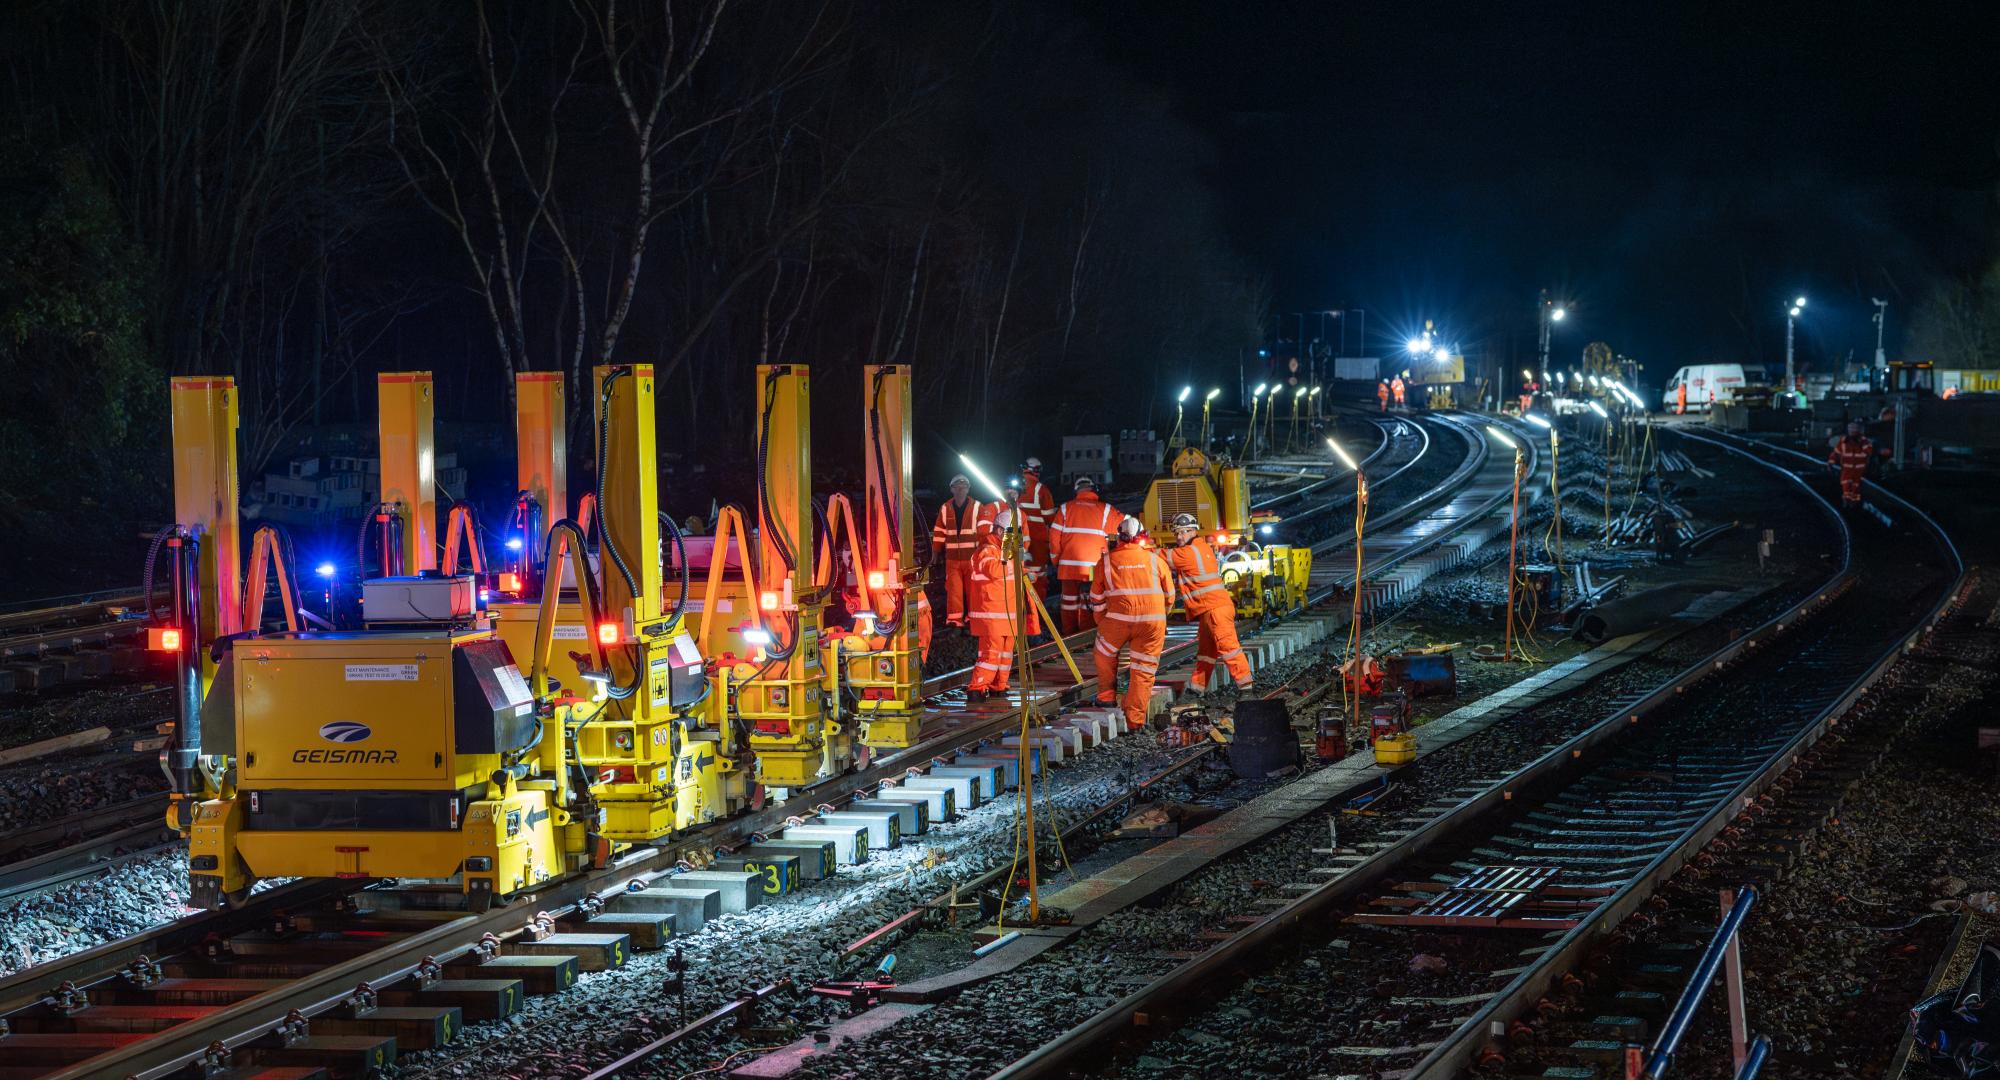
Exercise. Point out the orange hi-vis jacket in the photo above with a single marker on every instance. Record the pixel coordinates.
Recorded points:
(1038, 507)
(1198, 569)
(993, 594)
(956, 533)
(1079, 534)
(1132, 585)
(1851, 454)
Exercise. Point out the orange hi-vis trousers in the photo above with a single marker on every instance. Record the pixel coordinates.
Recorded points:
(957, 590)
(1076, 614)
(1216, 643)
(995, 664)
(1143, 642)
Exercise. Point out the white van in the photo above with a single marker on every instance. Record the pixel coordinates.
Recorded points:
(1706, 384)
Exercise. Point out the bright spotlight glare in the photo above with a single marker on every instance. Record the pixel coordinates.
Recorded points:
(1212, 394)
(1599, 410)
(1416, 345)
(513, 543)
(757, 636)
(1260, 390)
(1185, 391)
(1505, 439)
(1537, 421)
(1442, 354)
(1799, 303)
(1342, 454)
(982, 478)
(1528, 375)
(1558, 314)
(1795, 312)
(324, 569)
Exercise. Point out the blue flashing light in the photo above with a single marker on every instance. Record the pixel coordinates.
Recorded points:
(324, 569)
(513, 543)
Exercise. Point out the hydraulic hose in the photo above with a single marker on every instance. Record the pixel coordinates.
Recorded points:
(889, 507)
(152, 558)
(767, 518)
(680, 560)
(607, 541)
(593, 605)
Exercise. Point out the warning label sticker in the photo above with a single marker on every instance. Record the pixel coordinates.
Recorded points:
(381, 673)
(570, 632)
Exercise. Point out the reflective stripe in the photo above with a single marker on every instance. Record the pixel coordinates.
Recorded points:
(1077, 562)
(997, 616)
(984, 666)
(1204, 590)
(1122, 617)
(1137, 655)
(1209, 659)
(1106, 647)
(1231, 654)
(1133, 592)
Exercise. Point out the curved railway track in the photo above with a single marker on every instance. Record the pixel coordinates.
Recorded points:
(146, 1031)
(1617, 808)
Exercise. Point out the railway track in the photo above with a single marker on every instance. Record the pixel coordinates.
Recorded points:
(176, 997)
(69, 639)
(1616, 808)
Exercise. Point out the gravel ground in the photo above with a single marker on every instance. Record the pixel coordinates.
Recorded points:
(1054, 992)
(1842, 943)
(140, 895)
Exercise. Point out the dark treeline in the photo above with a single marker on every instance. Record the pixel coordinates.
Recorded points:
(304, 194)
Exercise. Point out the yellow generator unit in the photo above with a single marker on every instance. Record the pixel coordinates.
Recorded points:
(1267, 581)
(1213, 490)
(369, 754)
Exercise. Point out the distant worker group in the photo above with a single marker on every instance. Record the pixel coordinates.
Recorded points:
(1107, 575)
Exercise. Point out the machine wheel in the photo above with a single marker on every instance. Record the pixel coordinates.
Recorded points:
(235, 897)
(863, 756)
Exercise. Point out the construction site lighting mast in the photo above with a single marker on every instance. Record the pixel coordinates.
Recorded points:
(1604, 421)
(1513, 540)
(1360, 520)
(1250, 443)
(1207, 404)
(1792, 314)
(1017, 605)
(1555, 489)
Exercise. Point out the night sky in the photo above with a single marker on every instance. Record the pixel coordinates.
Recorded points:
(1677, 173)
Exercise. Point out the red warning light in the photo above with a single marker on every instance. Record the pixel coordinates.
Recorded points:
(875, 579)
(768, 601)
(510, 583)
(164, 639)
(607, 633)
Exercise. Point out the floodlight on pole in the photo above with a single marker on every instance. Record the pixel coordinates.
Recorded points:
(1605, 417)
(1441, 354)
(1354, 624)
(1416, 346)
(1558, 314)
(1205, 404)
(1528, 375)
(1791, 319)
(1185, 391)
(1212, 394)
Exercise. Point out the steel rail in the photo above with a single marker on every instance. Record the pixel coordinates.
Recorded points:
(251, 1019)
(1308, 909)
(1460, 1048)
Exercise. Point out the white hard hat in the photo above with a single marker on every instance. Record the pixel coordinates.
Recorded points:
(1186, 521)
(1085, 482)
(1128, 528)
(1003, 521)
(1033, 463)
(960, 479)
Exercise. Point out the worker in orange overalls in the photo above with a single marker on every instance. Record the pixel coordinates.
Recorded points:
(954, 535)
(1850, 455)
(1198, 572)
(996, 621)
(1078, 535)
(1397, 388)
(1680, 399)
(1382, 394)
(1038, 506)
(1131, 594)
